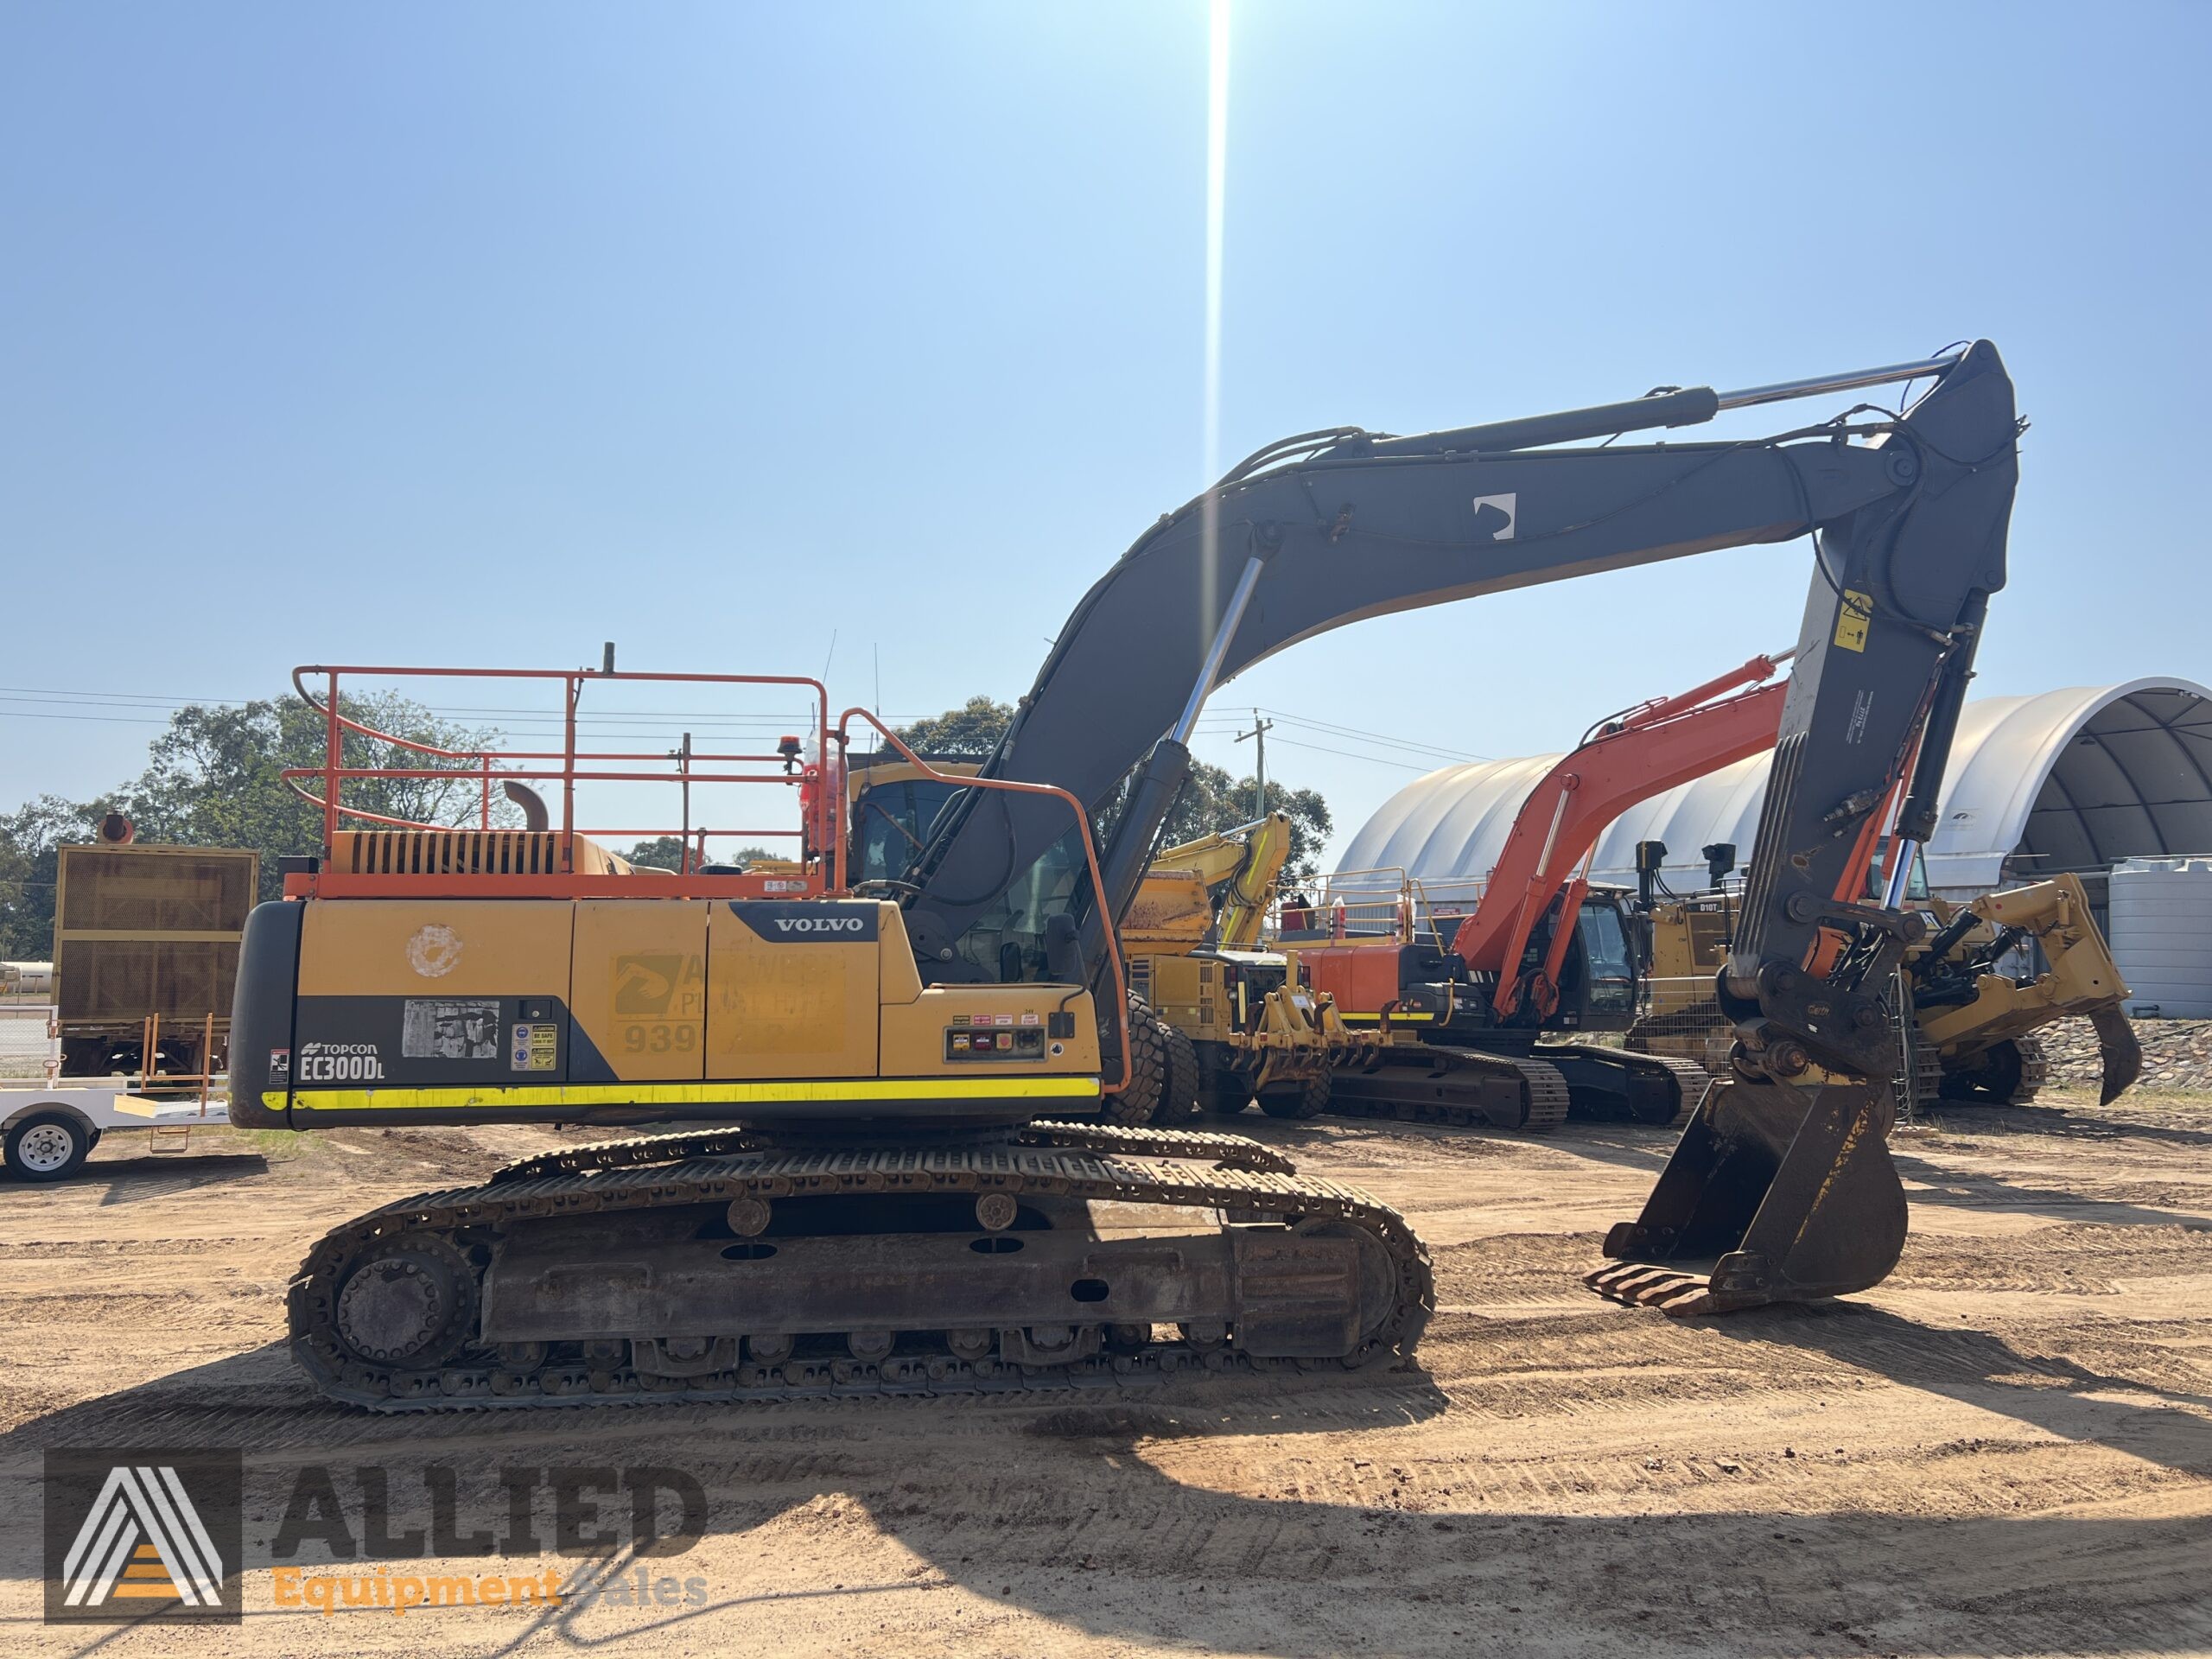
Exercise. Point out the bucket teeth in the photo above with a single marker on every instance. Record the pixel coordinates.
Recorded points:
(1641, 1284)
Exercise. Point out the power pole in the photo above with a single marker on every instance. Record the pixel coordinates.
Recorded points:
(1259, 736)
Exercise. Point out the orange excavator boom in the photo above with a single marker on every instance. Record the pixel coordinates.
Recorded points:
(1644, 751)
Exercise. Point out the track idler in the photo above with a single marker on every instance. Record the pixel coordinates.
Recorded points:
(1774, 1193)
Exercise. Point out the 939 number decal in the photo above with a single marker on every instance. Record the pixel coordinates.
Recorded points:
(660, 1036)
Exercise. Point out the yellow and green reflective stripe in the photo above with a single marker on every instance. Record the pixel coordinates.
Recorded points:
(555, 1096)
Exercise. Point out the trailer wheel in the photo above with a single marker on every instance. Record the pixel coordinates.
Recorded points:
(47, 1147)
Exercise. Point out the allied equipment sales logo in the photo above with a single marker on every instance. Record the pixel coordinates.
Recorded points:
(157, 1535)
(143, 1534)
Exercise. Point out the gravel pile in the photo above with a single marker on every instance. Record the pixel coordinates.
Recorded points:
(2177, 1053)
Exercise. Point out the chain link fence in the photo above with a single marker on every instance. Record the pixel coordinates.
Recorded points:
(26, 1050)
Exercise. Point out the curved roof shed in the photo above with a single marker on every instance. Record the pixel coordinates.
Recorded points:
(2071, 779)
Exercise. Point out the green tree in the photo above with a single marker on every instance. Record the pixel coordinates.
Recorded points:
(216, 776)
(666, 853)
(974, 728)
(215, 779)
(29, 840)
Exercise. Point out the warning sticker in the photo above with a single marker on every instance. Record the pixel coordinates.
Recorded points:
(1852, 621)
(533, 1047)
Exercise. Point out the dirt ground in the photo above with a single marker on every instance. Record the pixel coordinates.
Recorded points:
(2004, 1449)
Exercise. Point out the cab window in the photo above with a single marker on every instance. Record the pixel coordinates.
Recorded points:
(1610, 968)
(890, 824)
(1916, 881)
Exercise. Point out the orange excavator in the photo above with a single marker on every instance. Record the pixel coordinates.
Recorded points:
(1457, 1020)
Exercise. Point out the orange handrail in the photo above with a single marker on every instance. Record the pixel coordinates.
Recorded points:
(567, 766)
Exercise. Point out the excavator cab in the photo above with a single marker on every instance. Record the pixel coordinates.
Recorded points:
(893, 803)
(1601, 979)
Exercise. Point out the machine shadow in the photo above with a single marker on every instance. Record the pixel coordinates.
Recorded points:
(258, 1399)
(152, 1174)
(1977, 1368)
(1089, 1532)
(1973, 1189)
(2061, 1122)
(1099, 1513)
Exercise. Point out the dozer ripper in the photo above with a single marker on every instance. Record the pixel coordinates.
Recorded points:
(877, 1199)
(1456, 1021)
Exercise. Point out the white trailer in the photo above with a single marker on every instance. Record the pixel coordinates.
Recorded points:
(48, 1129)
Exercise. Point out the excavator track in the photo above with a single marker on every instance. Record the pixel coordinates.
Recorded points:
(1691, 1081)
(1412, 1095)
(2035, 1069)
(1232, 1150)
(435, 1247)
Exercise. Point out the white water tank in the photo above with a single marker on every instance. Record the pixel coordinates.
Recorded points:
(2161, 934)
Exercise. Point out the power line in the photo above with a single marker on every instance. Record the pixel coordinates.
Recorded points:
(71, 702)
(1374, 737)
(1354, 754)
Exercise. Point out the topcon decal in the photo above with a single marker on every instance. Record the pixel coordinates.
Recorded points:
(340, 1063)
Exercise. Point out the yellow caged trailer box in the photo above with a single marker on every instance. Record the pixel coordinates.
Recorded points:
(146, 945)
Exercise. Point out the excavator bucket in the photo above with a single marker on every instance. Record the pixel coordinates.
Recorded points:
(2118, 1051)
(1773, 1194)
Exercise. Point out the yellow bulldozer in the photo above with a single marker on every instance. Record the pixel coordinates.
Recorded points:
(1972, 1033)
(1253, 1030)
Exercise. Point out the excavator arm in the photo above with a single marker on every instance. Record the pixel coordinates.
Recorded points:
(1221, 884)
(1909, 514)
(1781, 1186)
(1644, 751)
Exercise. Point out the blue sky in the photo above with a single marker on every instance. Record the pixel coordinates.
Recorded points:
(484, 333)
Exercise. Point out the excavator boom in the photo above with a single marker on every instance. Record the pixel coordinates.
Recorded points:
(1320, 531)
(1460, 1055)
(1221, 884)
(1641, 754)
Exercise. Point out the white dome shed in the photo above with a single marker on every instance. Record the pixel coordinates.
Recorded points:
(2075, 780)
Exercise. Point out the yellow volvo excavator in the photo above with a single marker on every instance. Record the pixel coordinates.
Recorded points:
(879, 1198)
